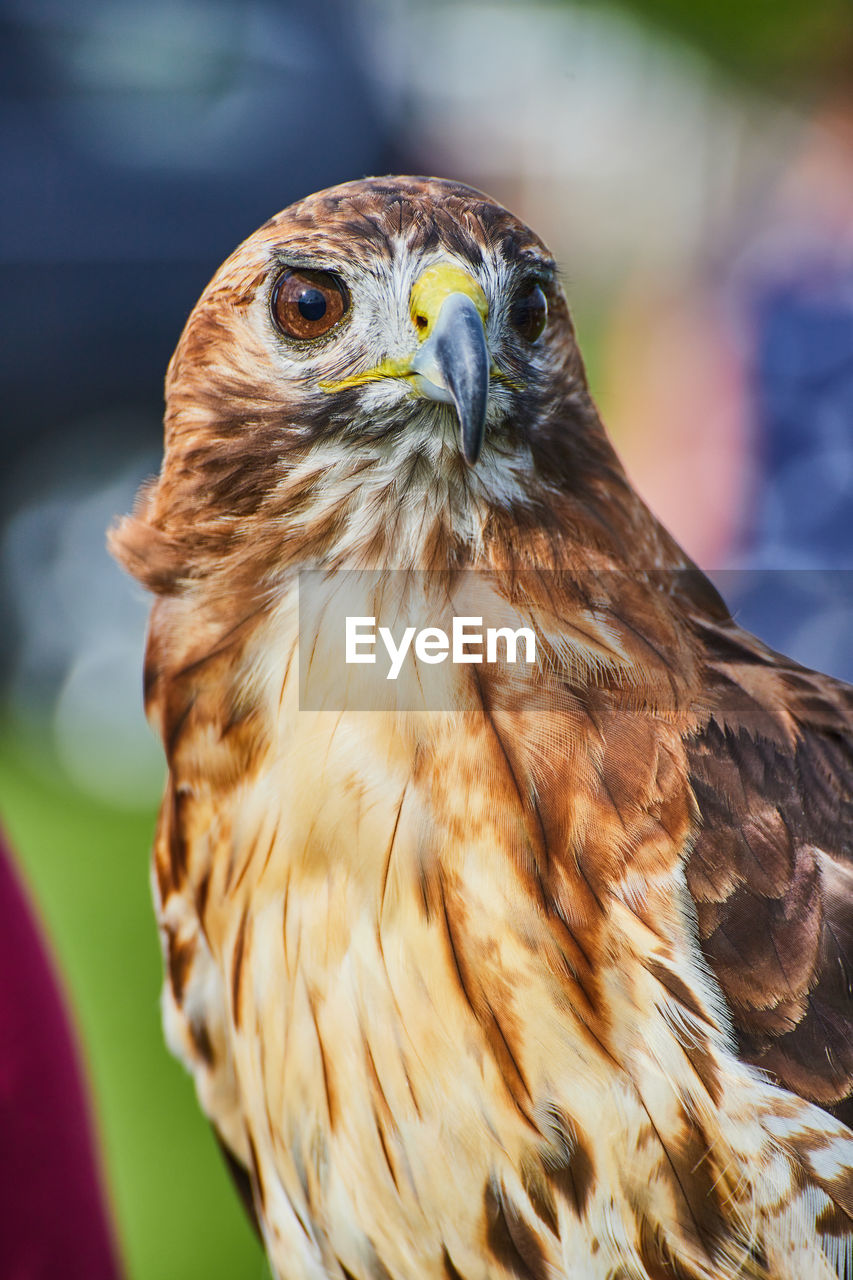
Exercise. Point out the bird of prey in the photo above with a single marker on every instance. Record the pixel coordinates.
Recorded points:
(548, 974)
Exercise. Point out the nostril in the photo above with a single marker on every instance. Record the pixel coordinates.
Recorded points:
(421, 323)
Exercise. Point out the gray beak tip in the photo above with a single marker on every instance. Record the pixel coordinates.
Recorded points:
(472, 448)
(456, 355)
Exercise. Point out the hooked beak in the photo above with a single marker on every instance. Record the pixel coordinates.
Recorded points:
(453, 365)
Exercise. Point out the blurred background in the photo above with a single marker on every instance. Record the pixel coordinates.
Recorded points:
(691, 164)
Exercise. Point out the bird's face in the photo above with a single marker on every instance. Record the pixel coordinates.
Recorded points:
(370, 377)
(415, 322)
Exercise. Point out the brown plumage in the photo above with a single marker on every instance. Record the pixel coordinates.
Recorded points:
(552, 979)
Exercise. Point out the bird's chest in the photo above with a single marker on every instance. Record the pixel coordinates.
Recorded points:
(407, 1019)
(393, 1066)
(416, 975)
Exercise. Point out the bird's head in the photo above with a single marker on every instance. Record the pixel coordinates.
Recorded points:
(380, 374)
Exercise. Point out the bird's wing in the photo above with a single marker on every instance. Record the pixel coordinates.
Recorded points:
(771, 871)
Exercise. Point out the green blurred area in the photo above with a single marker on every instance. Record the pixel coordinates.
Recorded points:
(86, 865)
(785, 44)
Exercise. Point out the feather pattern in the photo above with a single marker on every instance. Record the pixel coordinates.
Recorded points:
(553, 980)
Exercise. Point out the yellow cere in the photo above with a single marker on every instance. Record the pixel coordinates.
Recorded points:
(429, 292)
(434, 287)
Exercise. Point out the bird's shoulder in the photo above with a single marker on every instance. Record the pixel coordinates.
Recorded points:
(771, 869)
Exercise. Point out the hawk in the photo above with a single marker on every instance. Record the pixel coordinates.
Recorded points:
(548, 976)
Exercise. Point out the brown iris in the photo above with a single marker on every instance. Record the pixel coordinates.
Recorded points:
(307, 304)
(529, 313)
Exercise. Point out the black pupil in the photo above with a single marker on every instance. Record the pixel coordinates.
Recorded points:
(312, 304)
(529, 313)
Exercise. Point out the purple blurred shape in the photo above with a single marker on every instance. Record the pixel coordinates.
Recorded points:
(53, 1216)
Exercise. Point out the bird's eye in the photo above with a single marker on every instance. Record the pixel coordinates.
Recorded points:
(529, 313)
(307, 304)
